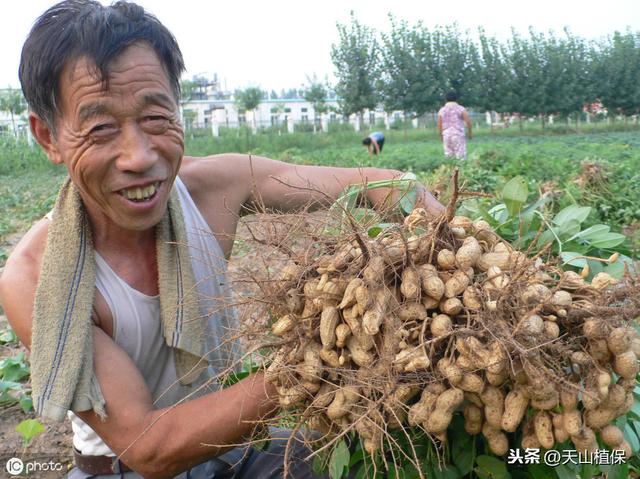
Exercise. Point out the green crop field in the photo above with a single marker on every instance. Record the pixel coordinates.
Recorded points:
(599, 169)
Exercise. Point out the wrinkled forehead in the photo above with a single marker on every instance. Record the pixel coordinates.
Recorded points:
(138, 60)
(138, 64)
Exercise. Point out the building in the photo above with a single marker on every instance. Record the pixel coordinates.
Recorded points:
(291, 114)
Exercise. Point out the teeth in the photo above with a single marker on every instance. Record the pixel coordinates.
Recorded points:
(139, 193)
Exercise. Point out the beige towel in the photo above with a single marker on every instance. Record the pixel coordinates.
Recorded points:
(62, 373)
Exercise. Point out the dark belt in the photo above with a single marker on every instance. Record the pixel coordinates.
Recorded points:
(99, 465)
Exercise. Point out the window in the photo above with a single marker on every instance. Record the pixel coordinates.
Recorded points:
(303, 110)
(332, 117)
(304, 118)
(372, 118)
(287, 110)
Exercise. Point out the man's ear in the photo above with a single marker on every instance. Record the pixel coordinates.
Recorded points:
(44, 136)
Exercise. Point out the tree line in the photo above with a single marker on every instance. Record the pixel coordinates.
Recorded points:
(411, 67)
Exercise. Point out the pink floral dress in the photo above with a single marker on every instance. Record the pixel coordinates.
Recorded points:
(453, 137)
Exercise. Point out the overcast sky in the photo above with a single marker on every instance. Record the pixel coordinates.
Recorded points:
(276, 44)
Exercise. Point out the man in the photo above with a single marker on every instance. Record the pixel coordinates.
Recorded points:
(374, 143)
(102, 84)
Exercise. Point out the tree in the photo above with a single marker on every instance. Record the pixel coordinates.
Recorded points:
(249, 99)
(407, 80)
(566, 72)
(527, 83)
(316, 94)
(493, 76)
(618, 70)
(458, 58)
(187, 89)
(355, 61)
(12, 101)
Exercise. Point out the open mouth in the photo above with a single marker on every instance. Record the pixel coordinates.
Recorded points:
(140, 195)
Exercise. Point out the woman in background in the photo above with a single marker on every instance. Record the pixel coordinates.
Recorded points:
(451, 120)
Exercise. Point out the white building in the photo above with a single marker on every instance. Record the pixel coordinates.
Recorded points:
(289, 113)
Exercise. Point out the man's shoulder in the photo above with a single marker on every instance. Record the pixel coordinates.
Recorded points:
(201, 174)
(28, 253)
(20, 278)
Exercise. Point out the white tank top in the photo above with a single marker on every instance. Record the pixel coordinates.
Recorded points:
(137, 329)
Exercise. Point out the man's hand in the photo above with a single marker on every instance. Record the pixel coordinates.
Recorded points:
(426, 200)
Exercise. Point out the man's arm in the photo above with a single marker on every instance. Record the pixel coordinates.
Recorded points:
(250, 181)
(165, 442)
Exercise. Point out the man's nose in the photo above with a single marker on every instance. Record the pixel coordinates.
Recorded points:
(137, 153)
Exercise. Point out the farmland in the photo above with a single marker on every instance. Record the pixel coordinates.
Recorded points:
(555, 162)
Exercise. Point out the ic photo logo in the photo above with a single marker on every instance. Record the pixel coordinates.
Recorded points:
(15, 466)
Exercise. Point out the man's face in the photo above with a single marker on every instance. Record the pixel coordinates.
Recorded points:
(123, 146)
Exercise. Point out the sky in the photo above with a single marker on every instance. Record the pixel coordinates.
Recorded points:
(279, 44)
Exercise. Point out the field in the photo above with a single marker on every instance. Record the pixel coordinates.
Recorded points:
(598, 168)
(605, 163)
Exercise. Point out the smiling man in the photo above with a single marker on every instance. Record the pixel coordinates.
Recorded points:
(99, 290)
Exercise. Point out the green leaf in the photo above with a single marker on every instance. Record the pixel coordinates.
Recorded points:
(339, 462)
(573, 212)
(499, 213)
(357, 456)
(563, 472)
(569, 259)
(366, 472)
(547, 237)
(29, 429)
(377, 229)
(619, 471)
(514, 194)
(487, 217)
(233, 377)
(528, 211)
(319, 464)
(26, 403)
(8, 336)
(607, 240)
(540, 471)
(588, 471)
(14, 368)
(461, 445)
(632, 438)
(408, 200)
(595, 267)
(447, 472)
(616, 269)
(568, 229)
(491, 467)
(591, 232)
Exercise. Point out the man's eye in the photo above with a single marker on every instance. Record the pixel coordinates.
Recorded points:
(156, 123)
(103, 129)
